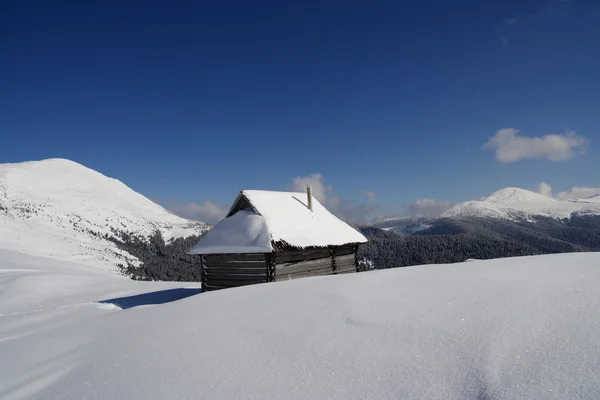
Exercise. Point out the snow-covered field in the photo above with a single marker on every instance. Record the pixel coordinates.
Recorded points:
(521, 328)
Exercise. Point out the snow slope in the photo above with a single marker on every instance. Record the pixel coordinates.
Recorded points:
(50, 208)
(499, 329)
(519, 204)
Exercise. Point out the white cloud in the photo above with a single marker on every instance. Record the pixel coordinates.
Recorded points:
(344, 209)
(370, 194)
(208, 211)
(545, 189)
(427, 208)
(510, 147)
(578, 192)
(320, 190)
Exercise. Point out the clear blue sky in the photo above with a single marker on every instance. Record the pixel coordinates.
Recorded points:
(192, 101)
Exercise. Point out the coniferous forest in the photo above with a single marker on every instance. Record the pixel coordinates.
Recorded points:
(444, 241)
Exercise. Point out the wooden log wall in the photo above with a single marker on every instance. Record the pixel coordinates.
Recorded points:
(222, 271)
(302, 263)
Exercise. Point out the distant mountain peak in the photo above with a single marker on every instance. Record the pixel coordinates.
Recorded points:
(520, 204)
(60, 209)
(516, 195)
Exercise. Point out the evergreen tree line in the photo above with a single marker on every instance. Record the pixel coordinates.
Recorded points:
(446, 241)
(160, 261)
(457, 240)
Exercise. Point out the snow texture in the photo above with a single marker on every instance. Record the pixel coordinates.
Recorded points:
(286, 218)
(52, 208)
(244, 232)
(519, 328)
(521, 204)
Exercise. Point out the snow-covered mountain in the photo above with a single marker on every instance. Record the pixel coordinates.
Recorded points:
(60, 209)
(520, 204)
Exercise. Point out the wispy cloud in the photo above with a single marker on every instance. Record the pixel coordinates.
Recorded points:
(552, 10)
(346, 209)
(427, 208)
(370, 194)
(208, 211)
(576, 192)
(545, 189)
(510, 147)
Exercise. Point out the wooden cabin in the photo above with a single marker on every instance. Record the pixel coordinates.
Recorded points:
(272, 236)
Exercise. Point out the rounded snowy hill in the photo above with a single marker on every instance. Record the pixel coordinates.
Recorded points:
(518, 204)
(60, 209)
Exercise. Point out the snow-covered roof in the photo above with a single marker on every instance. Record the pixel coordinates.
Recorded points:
(244, 232)
(259, 221)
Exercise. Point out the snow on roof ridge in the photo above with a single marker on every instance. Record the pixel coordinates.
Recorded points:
(287, 219)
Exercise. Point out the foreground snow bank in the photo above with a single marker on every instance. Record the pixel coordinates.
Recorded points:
(502, 329)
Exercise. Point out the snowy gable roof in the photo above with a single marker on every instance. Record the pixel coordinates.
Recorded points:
(260, 221)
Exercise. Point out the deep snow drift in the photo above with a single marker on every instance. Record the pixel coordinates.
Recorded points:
(500, 329)
(60, 209)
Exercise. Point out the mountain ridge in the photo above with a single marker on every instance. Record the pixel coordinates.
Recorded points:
(520, 204)
(60, 209)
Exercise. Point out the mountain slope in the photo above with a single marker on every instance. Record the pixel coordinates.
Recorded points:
(60, 209)
(521, 204)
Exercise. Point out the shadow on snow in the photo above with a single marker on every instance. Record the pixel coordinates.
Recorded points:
(160, 297)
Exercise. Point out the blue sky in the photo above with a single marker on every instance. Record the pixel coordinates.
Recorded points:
(382, 104)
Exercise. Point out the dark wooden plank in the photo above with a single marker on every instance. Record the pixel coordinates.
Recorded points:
(304, 266)
(234, 257)
(342, 251)
(317, 270)
(344, 257)
(302, 251)
(345, 269)
(223, 270)
(346, 264)
(271, 268)
(302, 256)
(241, 278)
(352, 271)
(254, 275)
(236, 264)
(237, 277)
(322, 272)
(307, 262)
(202, 273)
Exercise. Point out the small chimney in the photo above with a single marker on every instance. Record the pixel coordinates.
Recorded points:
(309, 197)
